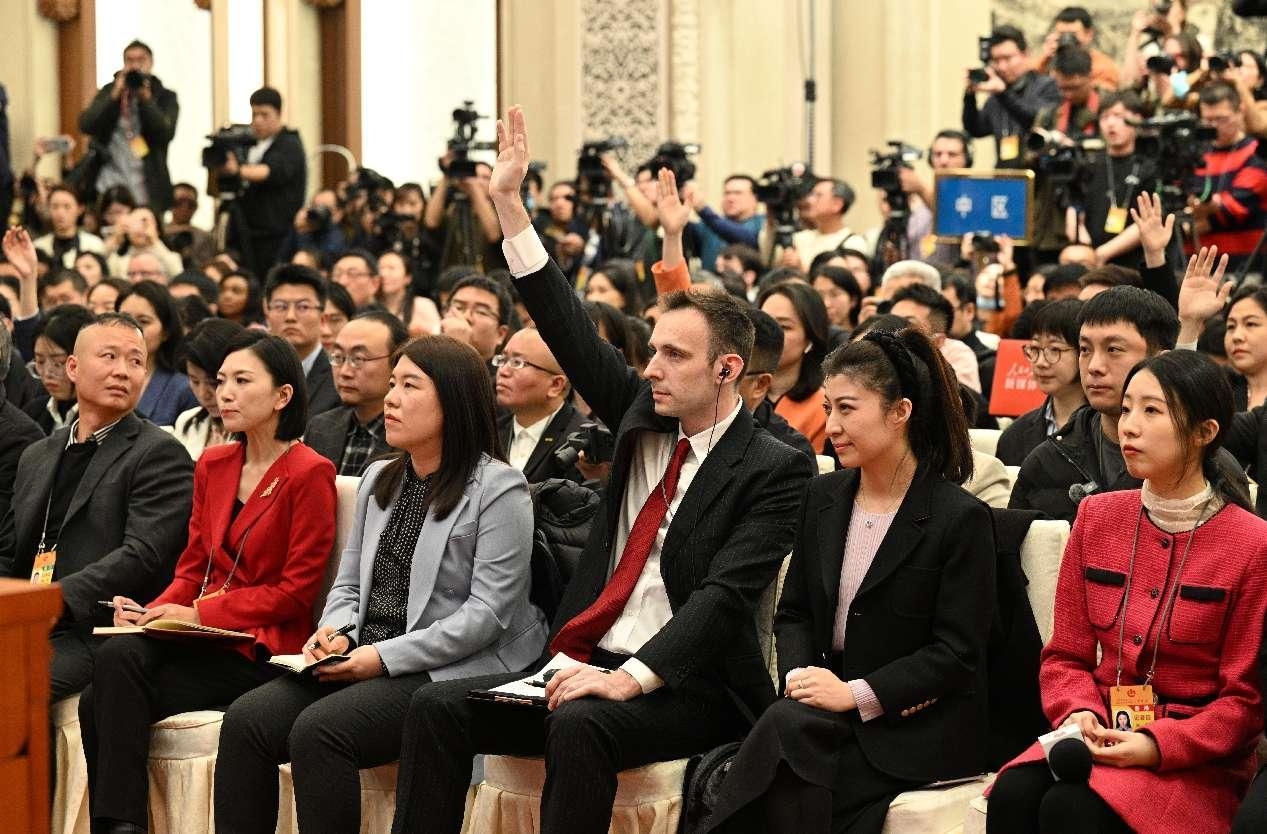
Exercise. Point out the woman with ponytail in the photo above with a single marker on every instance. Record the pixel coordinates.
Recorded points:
(886, 610)
(1163, 587)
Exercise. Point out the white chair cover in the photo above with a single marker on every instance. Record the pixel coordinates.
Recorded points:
(70, 785)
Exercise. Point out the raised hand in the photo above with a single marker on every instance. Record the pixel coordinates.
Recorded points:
(512, 155)
(20, 251)
(672, 211)
(1203, 293)
(1154, 231)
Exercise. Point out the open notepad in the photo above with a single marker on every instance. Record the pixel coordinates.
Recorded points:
(529, 691)
(294, 663)
(173, 630)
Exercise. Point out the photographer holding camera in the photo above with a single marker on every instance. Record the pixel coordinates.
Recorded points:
(1016, 94)
(316, 227)
(274, 176)
(828, 201)
(1056, 154)
(131, 121)
(1071, 26)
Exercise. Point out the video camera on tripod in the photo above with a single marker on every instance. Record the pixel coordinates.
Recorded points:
(676, 156)
(1063, 159)
(594, 184)
(781, 189)
(886, 176)
(461, 166)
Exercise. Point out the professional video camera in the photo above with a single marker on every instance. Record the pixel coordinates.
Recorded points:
(781, 189)
(594, 439)
(676, 156)
(1062, 159)
(1176, 143)
(461, 166)
(886, 166)
(594, 184)
(232, 139)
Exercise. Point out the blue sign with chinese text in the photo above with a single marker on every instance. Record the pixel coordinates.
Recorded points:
(974, 204)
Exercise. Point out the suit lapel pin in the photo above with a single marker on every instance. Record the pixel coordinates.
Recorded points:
(269, 489)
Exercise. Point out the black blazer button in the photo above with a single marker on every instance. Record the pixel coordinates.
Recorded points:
(1165, 543)
(1137, 640)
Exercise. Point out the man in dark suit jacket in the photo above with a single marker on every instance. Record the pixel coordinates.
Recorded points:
(110, 495)
(353, 435)
(538, 413)
(294, 298)
(275, 174)
(676, 664)
(121, 114)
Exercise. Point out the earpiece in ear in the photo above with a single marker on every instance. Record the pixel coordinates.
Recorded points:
(725, 372)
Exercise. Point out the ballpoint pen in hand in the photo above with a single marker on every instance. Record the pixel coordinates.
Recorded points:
(343, 632)
(134, 609)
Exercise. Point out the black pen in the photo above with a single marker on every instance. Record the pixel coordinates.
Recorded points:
(343, 632)
(134, 609)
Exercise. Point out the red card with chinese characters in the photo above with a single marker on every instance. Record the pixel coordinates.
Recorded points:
(1014, 391)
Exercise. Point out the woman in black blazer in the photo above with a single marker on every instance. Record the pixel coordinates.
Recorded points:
(886, 610)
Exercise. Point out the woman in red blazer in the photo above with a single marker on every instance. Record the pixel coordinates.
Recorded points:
(260, 533)
(1173, 579)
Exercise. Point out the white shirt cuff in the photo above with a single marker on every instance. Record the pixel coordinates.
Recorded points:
(868, 704)
(1186, 346)
(524, 252)
(636, 669)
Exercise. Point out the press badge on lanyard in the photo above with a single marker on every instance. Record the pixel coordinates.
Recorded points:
(1138, 702)
(1009, 147)
(42, 569)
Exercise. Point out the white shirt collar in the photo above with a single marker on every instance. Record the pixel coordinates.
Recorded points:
(700, 442)
(535, 430)
(311, 359)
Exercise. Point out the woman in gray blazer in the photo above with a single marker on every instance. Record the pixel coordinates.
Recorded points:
(432, 585)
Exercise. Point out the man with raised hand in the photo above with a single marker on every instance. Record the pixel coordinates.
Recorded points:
(699, 512)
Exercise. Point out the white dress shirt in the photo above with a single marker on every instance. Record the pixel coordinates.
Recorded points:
(524, 439)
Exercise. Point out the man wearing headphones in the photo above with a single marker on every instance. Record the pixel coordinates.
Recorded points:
(950, 149)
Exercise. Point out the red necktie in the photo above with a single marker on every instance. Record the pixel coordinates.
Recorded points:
(581, 634)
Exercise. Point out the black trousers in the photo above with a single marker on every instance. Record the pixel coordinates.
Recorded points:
(586, 743)
(138, 680)
(1027, 798)
(802, 769)
(328, 732)
(1252, 817)
(71, 670)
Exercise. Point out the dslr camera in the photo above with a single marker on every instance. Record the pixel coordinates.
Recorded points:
(593, 183)
(463, 142)
(676, 156)
(594, 439)
(134, 79)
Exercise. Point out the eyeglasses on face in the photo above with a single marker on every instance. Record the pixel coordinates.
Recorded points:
(1050, 354)
(353, 360)
(302, 308)
(518, 363)
(464, 307)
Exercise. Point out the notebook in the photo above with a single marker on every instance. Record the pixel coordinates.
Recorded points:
(528, 691)
(173, 630)
(294, 663)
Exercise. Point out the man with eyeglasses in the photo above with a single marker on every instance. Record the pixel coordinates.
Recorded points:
(1229, 191)
(352, 435)
(478, 313)
(539, 414)
(294, 299)
(357, 272)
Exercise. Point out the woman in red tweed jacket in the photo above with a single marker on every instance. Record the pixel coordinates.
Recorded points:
(1194, 598)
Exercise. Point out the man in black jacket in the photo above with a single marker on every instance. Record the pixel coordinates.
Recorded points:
(1116, 329)
(275, 176)
(675, 666)
(1016, 93)
(132, 121)
(17, 431)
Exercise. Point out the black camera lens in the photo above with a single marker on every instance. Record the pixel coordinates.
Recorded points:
(1160, 63)
(134, 79)
(1067, 39)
